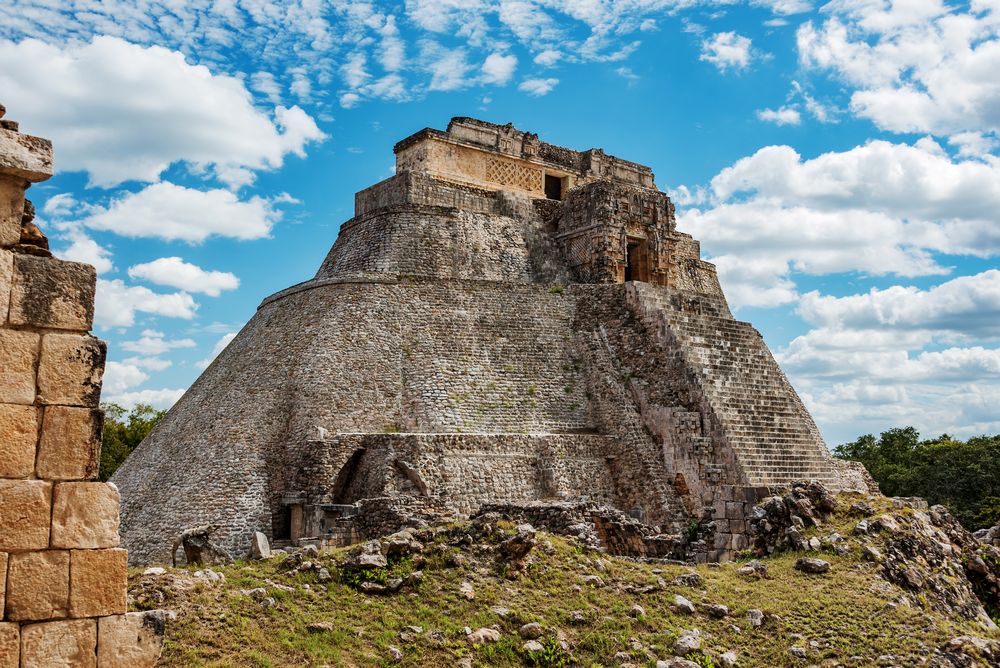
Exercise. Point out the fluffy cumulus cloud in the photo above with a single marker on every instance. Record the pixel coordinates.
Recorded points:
(783, 116)
(538, 87)
(176, 273)
(116, 303)
(727, 51)
(499, 68)
(878, 209)
(121, 112)
(173, 212)
(82, 248)
(914, 66)
(155, 343)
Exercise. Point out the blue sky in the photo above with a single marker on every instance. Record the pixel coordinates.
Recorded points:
(839, 163)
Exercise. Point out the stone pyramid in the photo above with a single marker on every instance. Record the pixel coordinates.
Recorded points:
(502, 321)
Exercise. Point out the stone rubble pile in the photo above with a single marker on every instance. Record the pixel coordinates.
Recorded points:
(62, 572)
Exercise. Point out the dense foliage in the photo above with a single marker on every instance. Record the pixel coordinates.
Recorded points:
(123, 431)
(962, 475)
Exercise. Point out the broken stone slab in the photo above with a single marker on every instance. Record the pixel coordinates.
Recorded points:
(807, 565)
(85, 515)
(52, 293)
(70, 446)
(38, 585)
(24, 156)
(132, 640)
(26, 516)
(260, 548)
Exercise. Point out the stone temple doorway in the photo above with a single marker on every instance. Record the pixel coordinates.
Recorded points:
(636, 260)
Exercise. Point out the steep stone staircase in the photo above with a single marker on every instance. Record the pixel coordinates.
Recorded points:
(762, 417)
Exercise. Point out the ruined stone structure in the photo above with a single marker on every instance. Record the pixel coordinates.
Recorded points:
(62, 572)
(502, 321)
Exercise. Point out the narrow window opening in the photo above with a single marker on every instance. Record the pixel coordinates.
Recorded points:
(553, 187)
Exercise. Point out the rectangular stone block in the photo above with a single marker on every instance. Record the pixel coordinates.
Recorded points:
(53, 293)
(24, 156)
(6, 276)
(25, 513)
(38, 585)
(67, 644)
(11, 210)
(85, 515)
(70, 370)
(134, 640)
(98, 582)
(3, 582)
(18, 356)
(10, 645)
(70, 446)
(18, 436)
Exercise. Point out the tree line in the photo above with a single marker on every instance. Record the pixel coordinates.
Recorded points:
(962, 475)
(123, 431)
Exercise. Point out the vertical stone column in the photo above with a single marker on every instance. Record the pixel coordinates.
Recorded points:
(63, 576)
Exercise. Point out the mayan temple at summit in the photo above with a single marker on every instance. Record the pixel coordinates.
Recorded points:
(502, 321)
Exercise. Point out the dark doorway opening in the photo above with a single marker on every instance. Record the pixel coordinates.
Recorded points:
(553, 187)
(281, 524)
(636, 260)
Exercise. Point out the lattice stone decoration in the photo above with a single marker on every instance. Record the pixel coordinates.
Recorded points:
(508, 173)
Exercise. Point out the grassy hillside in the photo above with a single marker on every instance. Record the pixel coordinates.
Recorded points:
(260, 613)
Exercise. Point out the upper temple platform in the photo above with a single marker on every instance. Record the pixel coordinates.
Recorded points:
(501, 157)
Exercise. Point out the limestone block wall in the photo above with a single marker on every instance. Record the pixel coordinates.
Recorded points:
(62, 570)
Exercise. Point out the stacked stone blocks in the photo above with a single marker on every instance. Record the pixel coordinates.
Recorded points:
(62, 572)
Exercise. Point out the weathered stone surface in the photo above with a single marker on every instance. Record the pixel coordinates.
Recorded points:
(260, 548)
(70, 445)
(6, 276)
(3, 582)
(38, 585)
(18, 436)
(70, 370)
(98, 582)
(133, 640)
(10, 645)
(85, 515)
(25, 513)
(24, 156)
(11, 208)
(66, 644)
(18, 353)
(52, 293)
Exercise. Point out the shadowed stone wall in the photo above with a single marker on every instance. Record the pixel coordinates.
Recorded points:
(62, 572)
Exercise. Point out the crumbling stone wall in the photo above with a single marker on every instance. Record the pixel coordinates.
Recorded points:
(62, 572)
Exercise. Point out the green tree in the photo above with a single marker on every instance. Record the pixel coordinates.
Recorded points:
(962, 475)
(123, 432)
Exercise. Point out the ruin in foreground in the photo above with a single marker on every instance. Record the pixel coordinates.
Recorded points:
(502, 323)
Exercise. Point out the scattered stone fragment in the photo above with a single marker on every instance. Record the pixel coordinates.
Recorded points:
(395, 653)
(593, 580)
(798, 652)
(636, 611)
(531, 631)
(483, 636)
(688, 580)
(319, 627)
(683, 605)
(728, 659)
(577, 617)
(154, 570)
(260, 548)
(756, 617)
(717, 610)
(807, 565)
(689, 641)
(532, 646)
(466, 590)
(500, 611)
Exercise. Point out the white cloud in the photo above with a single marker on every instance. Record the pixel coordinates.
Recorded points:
(124, 112)
(151, 363)
(537, 87)
(116, 304)
(916, 66)
(880, 208)
(727, 50)
(498, 69)
(119, 377)
(154, 343)
(176, 273)
(548, 57)
(267, 85)
(448, 67)
(172, 212)
(84, 249)
(782, 116)
(220, 345)
(161, 398)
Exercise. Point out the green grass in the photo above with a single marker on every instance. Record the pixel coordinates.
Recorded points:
(846, 611)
